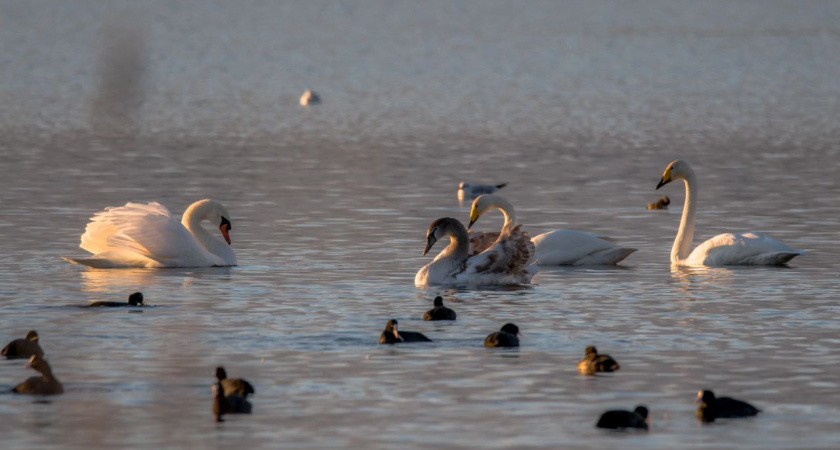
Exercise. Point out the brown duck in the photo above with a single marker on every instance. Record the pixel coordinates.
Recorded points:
(233, 402)
(46, 384)
(592, 362)
(23, 348)
(662, 203)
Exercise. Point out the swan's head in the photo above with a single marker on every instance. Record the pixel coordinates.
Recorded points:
(392, 327)
(676, 170)
(438, 229)
(482, 204)
(214, 212)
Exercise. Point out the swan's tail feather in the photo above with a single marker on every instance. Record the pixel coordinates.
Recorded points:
(608, 256)
(773, 259)
(114, 259)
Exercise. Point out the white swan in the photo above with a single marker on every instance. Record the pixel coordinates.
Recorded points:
(147, 235)
(558, 247)
(508, 261)
(724, 249)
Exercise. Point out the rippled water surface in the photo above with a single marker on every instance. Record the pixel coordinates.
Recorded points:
(578, 105)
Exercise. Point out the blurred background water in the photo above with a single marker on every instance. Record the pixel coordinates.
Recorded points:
(578, 105)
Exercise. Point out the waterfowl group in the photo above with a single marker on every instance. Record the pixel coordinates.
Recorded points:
(149, 236)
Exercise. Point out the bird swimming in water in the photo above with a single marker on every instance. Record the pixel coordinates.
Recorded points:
(592, 362)
(662, 203)
(23, 348)
(620, 419)
(508, 336)
(230, 397)
(46, 384)
(439, 312)
(712, 407)
(392, 335)
(309, 98)
(135, 299)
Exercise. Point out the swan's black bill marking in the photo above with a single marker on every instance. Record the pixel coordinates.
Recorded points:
(225, 227)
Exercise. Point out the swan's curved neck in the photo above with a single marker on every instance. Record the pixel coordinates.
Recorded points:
(459, 243)
(193, 216)
(685, 235)
(507, 209)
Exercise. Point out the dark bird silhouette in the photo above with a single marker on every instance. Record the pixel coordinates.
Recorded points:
(23, 348)
(392, 335)
(619, 419)
(508, 336)
(439, 312)
(712, 408)
(46, 384)
(233, 402)
(135, 299)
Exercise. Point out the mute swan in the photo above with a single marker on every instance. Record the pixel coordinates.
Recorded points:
(508, 336)
(471, 191)
(662, 203)
(147, 235)
(392, 335)
(747, 248)
(508, 261)
(558, 247)
(619, 418)
(712, 407)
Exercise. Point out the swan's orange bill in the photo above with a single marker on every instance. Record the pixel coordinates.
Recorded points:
(225, 227)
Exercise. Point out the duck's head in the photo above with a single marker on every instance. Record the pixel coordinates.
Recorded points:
(706, 396)
(438, 301)
(38, 364)
(136, 299)
(676, 170)
(393, 327)
(220, 373)
(591, 350)
(32, 336)
(642, 411)
(512, 329)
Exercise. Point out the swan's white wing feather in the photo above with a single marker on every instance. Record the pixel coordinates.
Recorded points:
(571, 247)
(142, 232)
(741, 248)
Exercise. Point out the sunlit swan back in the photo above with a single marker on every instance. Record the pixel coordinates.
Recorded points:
(147, 235)
(508, 261)
(747, 248)
(558, 247)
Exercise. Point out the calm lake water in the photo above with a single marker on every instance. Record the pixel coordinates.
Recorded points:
(578, 105)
